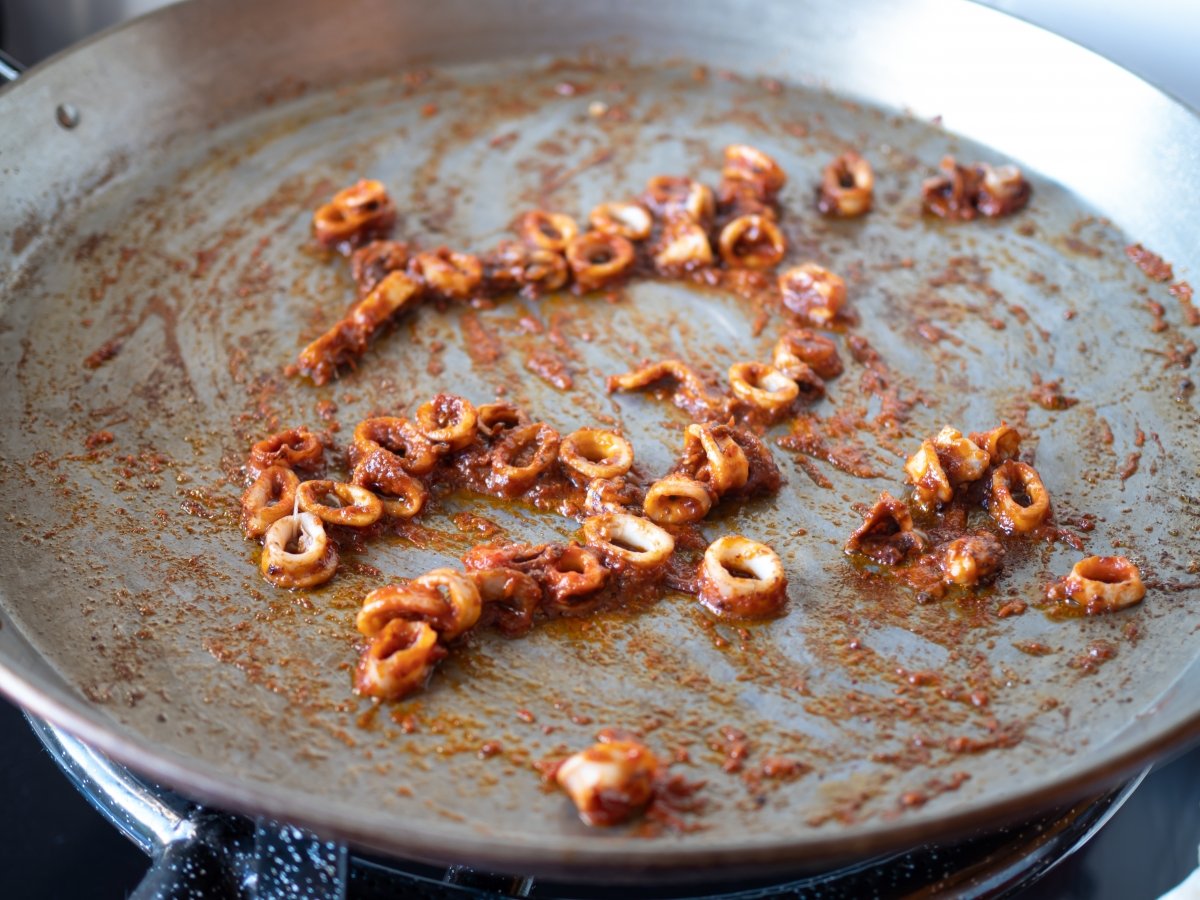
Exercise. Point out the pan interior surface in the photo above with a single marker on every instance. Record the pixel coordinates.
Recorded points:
(144, 341)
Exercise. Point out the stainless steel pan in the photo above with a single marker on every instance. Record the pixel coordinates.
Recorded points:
(158, 184)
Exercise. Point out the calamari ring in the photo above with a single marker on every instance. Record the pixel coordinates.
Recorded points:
(971, 560)
(886, 534)
(596, 453)
(743, 162)
(295, 448)
(609, 782)
(448, 419)
(356, 213)
(450, 274)
(597, 259)
(763, 387)
(961, 457)
(271, 497)
(570, 575)
(398, 660)
(545, 270)
(742, 579)
(683, 247)
(725, 467)
(678, 499)
(813, 291)
(1012, 516)
(626, 541)
(630, 220)
(752, 242)
(404, 443)
(402, 495)
(493, 419)
(547, 230)
(931, 485)
(461, 595)
(312, 562)
(537, 443)
(358, 508)
(510, 598)
(1001, 443)
(1104, 584)
(673, 196)
(847, 187)
(803, 348)
(400, 601)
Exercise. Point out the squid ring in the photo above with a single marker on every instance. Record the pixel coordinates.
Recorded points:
(511, 596)
(547, 230)
(752, 242)
(628, 541)
(678, 499)
(313, 560)
(609, 782)
(725, 467)
(801, 349)
(683, 247)
(521, 456)
(812, 291)
(493, 419)
(596, 453)
(358, 507)
(629, 220)
(671, 195)
(296, 448)
(847, 187)
(1001, 443)
(398, 660)
(741, 578)
(749, 163)
(453, 275)
(575, 573)
(1105, 584)
(764, 387)
(448, 419)
(271, 497)
(1011, 515)
(462, 596)
(407, 448)
(355, 213)
(400, 601)
(402, 495)
(598, 258)
(971, 559)
(545, 270)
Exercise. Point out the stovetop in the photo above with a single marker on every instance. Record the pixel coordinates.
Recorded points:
(53, 842)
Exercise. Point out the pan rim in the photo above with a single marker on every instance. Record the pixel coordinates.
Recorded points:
(647, 859)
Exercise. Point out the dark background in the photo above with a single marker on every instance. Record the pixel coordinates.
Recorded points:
(54, 845)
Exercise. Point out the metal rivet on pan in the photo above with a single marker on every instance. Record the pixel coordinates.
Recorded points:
(67, 115)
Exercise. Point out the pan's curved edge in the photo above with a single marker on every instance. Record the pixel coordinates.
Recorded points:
(634, 864)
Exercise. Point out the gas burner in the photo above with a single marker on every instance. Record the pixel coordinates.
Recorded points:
(198, 851)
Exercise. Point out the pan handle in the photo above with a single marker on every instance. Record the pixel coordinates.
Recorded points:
(10, 69)
(196, 851)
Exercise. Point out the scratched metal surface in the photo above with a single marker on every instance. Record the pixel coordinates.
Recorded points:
(133, 612)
